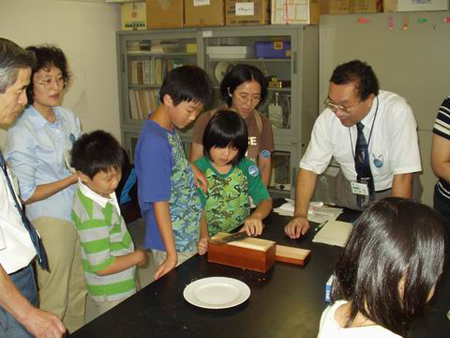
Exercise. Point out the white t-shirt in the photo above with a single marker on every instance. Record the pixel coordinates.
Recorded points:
(330, 328)
(393, 142)
(16, 248)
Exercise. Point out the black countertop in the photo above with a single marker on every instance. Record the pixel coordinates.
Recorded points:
(287, 301)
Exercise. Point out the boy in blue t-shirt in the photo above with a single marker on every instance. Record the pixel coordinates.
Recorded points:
(167, 193)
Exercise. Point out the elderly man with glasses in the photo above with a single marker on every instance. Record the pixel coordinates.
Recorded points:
(371, 133)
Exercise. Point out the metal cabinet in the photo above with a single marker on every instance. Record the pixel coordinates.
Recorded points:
(144, 58)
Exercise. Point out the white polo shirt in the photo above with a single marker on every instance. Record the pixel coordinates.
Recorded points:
(16, 248)
(393, 142)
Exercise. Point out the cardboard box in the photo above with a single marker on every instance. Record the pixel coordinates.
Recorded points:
(133, 16)
(247, 12)
(415, 5)
(204, 13)
(295, 12)
(350, 6)
(164, 13)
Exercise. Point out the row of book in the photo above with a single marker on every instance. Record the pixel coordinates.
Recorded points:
(142, 102)
(151, 71)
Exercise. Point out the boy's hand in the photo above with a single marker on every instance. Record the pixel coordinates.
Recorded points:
(201, 181)
(202, 246)
(169, 264)
(141, 257)
(253, 226)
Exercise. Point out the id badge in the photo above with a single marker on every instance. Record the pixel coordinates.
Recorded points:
(360, 188)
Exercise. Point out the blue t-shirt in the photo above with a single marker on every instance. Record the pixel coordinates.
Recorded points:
(164, 174)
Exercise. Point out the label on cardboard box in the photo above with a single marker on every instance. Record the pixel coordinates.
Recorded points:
(201, 3)
(242, 12)
(133, 16)
(245, 8)
(415, 5)
(295, 12)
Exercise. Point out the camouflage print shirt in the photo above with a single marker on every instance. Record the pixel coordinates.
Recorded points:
(227, 202)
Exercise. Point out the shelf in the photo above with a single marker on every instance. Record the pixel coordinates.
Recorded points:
(249, 60)
(288, 90)
(144, 86)
(292, 118)
(162, 54)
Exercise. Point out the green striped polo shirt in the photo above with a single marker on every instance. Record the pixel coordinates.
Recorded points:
(103, 236)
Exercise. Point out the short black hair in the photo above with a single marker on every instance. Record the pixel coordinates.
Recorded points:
(394, 240)
(238, 75)
(226, 128)
(47, 56)
(360, 73)
(96, 152)
(187, 83)
(12, 59)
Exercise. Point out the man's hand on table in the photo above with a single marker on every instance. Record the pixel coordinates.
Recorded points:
(297, 227)
(44, 324)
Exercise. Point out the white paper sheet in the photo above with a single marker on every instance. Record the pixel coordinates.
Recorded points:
(334, 233)
(317, 212)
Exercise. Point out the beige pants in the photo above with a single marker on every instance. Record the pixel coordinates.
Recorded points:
(106, 305)
(62, 291)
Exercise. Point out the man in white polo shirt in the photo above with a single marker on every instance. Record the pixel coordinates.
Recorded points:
(18, 297)
(371, 133)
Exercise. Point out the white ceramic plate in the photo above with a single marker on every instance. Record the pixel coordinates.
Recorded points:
(216, 292)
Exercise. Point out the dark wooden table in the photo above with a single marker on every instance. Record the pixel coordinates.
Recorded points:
(287, 301)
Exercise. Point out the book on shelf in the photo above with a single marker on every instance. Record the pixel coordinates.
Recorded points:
(134, 114)
(160, 46)
(142, 102)
(151, 71)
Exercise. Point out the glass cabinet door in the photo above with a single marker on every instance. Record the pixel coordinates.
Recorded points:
(130, 139)
(266, 50)
(285, 160)
(146, 61)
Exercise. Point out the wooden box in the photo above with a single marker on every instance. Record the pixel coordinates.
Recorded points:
(291, 255)
(250, 253)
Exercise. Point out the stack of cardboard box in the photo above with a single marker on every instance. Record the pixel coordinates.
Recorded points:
(154, 14)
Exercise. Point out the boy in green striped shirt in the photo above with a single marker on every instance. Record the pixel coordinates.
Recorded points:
(107, 250)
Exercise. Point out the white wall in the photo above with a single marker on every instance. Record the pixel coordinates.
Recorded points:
(412, 63)
(86, 33)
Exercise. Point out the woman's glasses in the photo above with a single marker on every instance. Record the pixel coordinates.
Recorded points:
(50, 83)
(244, 98)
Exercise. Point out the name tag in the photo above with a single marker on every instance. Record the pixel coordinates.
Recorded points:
(360, 188)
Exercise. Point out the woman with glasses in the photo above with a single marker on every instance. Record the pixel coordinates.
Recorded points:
(243, 88)
(37, 146)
